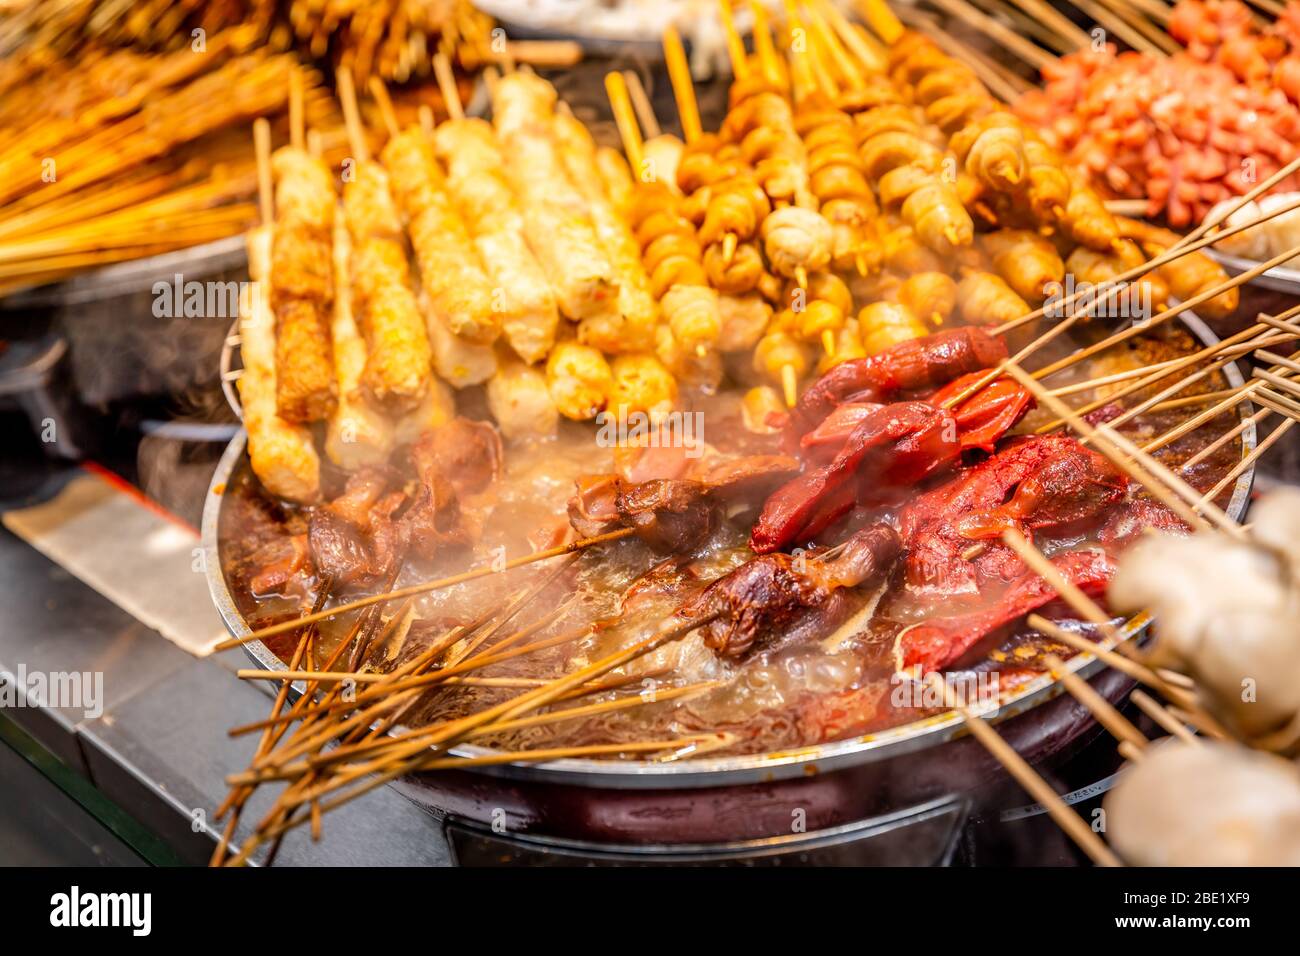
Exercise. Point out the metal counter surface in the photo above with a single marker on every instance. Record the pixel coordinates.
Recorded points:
(159, 752)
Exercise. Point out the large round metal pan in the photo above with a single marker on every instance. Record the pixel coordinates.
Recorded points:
(713, 772)
(1278, 279)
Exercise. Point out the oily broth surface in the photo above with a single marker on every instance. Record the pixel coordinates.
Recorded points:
(795, 696)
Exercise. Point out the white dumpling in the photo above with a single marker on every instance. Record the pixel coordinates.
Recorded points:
(1275, 523)
(1250, 244)
(1208, 805)
(1283, 230)
(1228, 615)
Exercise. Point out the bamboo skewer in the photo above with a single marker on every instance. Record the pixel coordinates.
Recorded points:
(425, 587)
(1182, 363)
(398, 763)
(1026, 776)
(679, 73)
(1178, 250)
(1148, 705)
(645, 112)
(1119, 726)
(1034, 55)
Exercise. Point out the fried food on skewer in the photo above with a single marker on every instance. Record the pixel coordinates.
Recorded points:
(630, 327)
(984, 298)
(1190, 274)
(476, 175)
(520, 400)
(690, 319)
(1028, 262)
(280, 451)
(580, 380)
(358, 434)
(397, 373)
(302, 287)
(559, 230)
(642, 384)
(451, 273)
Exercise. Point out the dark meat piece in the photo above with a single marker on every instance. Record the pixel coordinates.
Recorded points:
(593, 507)
(926, 362)
(279, 563)
(1073, 487)
(773, 593)
(673, 514)
(670, 515)
(891, 449)
(435, 519)
(354, 539)
(466, 453)
(940, 641)
(825, 441)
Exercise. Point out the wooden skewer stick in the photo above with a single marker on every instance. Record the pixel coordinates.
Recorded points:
(679, 74)
(1249, 460)
(881, 19)
(1119, 726)
(449, 763)
(1222, 347)
(386, 111)
(424, 587)
(447, 86)
(1136, 29)
(735, 44)
(645, 111)
(625, 118)
(1223, 439)
(352, 116)
(1065, 27)
(1125, 665)
(1060, 328)
(1176, 251)
(1233, 398)
(1149, 706)
(764, 46)
(1160, 318)
(1027, 777)
(398, 763)
(296, 125)
(851, 39)
(1070, 593)
(1277, 403)
(1142, 370)
(1007, 38)
(351, 752)
(265, 192)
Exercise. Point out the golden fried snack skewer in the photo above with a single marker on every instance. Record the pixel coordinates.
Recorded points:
(476, 176)
(281, 452)
(630, 328)
(358, 433)
(302, 288)
(519, 398)
(452, 274)
(671, 253)
(579, 379)
(559, 230)
(397, 372)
